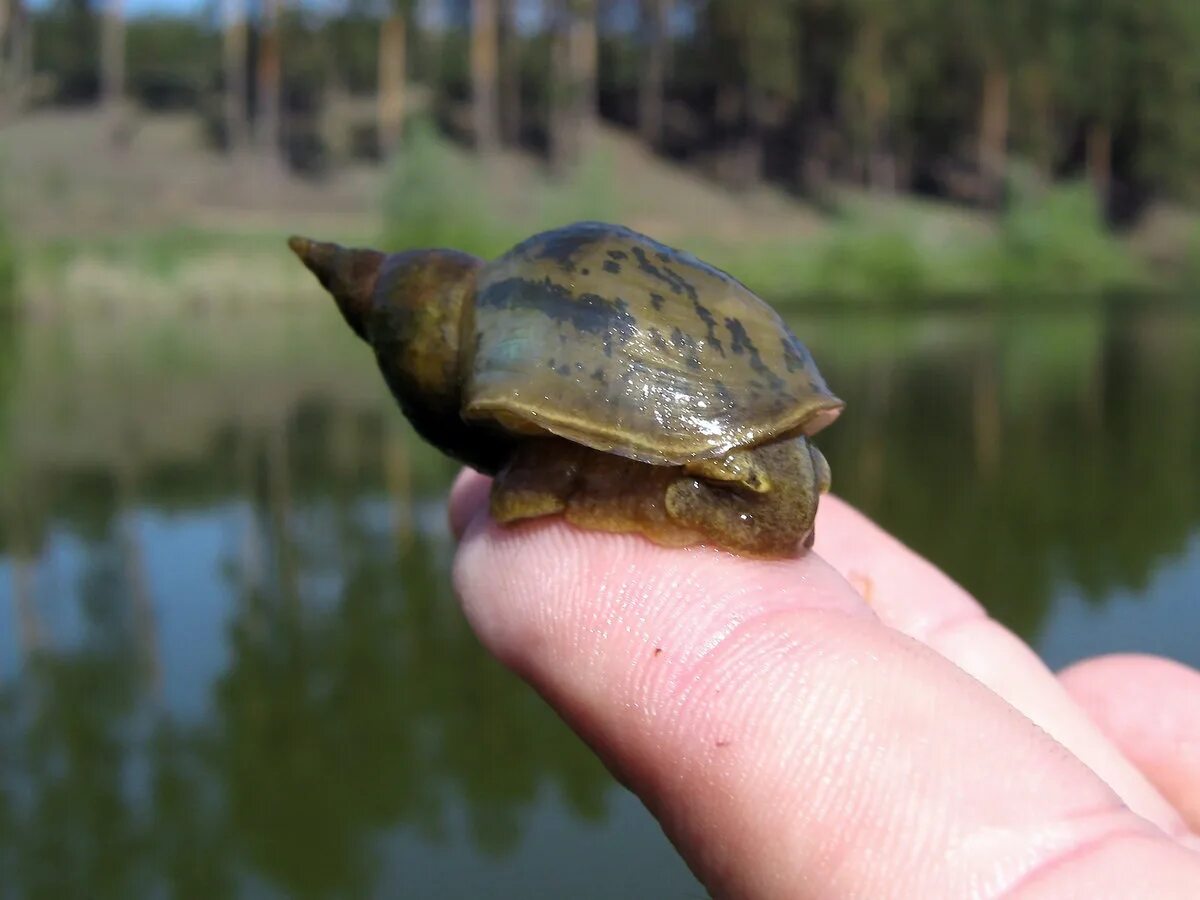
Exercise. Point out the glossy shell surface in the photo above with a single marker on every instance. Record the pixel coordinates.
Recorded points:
(605, 337)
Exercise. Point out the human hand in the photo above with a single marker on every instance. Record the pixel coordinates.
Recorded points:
(797, 740)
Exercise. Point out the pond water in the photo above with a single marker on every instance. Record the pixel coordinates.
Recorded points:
(231, 663)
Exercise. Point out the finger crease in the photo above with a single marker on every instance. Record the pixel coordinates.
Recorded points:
(1048, 867)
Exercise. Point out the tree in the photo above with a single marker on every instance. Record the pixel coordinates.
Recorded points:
(753, 50)
(484, 61)
(235, 73)
(572, 81)
(14, 55)
(1097, 77)
(112, 64)
(1001, 37)
(510, 73)
(1164, 107)
(6, 27)
(269, 77)
(655, 26)
(880, 73)
(393, 37)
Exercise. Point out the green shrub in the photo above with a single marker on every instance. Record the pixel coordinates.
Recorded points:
(8, 262)
(587, 195)
(437, 197)
(864, 262)
(1056, 241)
(1191, 269)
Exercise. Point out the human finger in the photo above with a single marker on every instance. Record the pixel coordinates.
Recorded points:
(1149, 707)
(910, 594)
(789, 743)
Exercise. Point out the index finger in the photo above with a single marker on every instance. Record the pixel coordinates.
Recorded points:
(913, 596)
(786, 740)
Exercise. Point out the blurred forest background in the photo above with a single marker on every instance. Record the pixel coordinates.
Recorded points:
(230, 662)
(838, 147)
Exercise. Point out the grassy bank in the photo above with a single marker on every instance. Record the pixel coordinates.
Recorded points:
(1047, 241)
(8, 256)
(871, 248)
(1034, 250)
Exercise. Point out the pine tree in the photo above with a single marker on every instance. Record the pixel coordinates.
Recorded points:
(233, 53)
(655, 16)
(112, 65)
(511, 80)
(392, 75)
(269, 79)
(572, 85)
(484, 64)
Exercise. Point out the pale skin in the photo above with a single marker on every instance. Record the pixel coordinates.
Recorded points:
(848, 723)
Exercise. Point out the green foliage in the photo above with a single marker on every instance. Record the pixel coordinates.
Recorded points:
(67, 49)
(171, 61)
(869, 262)
(587, 194)
(439, 196)
(816, 96)
(1047, 242)
(436, 197)
(859, 84)
(8, 269)
(1055, 241)
(1192, 265)
(8, 265)
(353, 40)
(8, 340)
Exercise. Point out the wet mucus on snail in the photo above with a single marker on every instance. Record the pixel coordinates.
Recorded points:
(602, 376)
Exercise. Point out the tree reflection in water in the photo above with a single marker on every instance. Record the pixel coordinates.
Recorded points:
(348, 702)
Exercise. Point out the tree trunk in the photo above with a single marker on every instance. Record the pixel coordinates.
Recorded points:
(558, 91)
(729, 113)
(510, 74)
(392, 83)
(431, 38)
(8, 87)
(993, 133)
(112, 66)
(819, 147)
(20, 55)
(1099, 162)
(655, 15)
(6, 20)
(573, 85)
(234, 61)
(484, 53)
(585, 55)
(267, 131)
(751, 147)
(1043, 116)
(878, 164)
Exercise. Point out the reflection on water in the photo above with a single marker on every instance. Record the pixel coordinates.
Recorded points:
(231, 665)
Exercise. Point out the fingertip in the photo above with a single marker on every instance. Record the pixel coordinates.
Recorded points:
(591, 594)
(468, 499)
(760, 710)
(1149, 707)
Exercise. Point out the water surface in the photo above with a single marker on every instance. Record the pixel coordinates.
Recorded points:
(231, 664)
